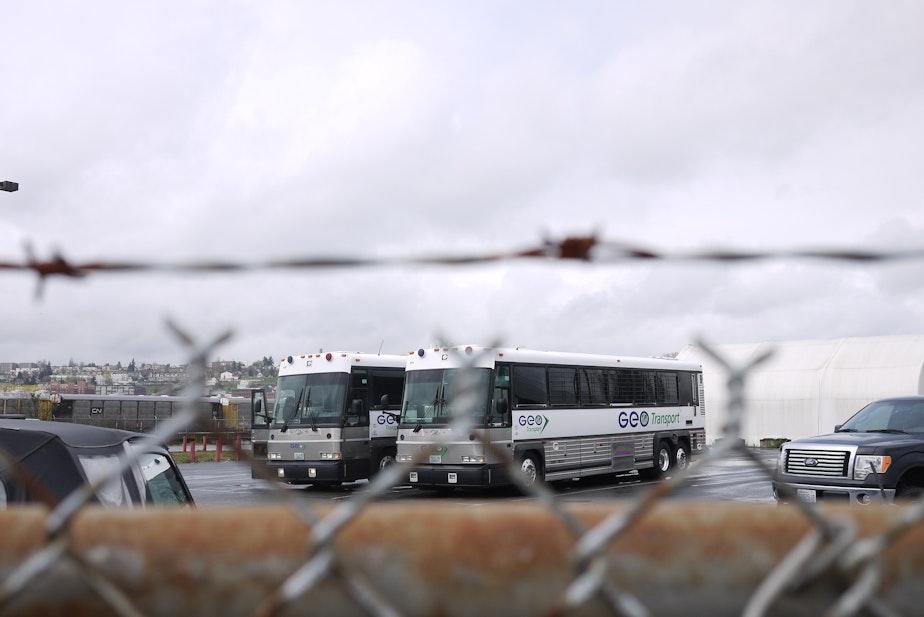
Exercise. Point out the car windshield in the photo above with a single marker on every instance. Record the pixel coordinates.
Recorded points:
(310, 400)
(433, 396)
(888, 416)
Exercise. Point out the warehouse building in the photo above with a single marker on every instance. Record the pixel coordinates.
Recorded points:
(807, 387)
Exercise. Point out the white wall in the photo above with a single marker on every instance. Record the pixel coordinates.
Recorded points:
(806, 387)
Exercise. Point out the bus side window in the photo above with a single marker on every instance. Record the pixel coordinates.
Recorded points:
(359, 390)
(390, 383)
(529, 387)
(500, 409)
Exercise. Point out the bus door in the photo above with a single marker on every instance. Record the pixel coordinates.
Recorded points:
(498, 421)
(261, 416)
(356, 444)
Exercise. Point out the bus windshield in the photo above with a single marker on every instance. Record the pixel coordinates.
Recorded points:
(310, 400)
(434, 396)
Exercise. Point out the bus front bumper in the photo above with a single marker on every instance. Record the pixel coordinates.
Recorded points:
(306, 472)
(458, 476)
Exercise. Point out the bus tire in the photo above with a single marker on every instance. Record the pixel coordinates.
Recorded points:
(385, 459)
(663, 459)
(682, 456)
(531, 469)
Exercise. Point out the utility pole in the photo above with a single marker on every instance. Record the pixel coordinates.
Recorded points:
(9, 186)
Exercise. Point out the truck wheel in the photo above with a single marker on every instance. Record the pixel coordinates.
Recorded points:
(908, 492)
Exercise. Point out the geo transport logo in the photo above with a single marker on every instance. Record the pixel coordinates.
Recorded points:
(534, 424)
(637, 419)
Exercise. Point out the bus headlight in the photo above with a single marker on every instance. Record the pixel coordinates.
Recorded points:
(330, 456)
(275, 456)
(867, 464)
(404, 458)
(473, 459)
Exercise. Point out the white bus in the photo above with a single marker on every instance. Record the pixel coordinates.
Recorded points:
(559, 415)
(335, 417)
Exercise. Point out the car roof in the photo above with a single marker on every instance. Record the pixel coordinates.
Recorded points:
(76, 435)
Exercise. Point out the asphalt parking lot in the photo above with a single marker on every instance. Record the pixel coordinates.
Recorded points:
(736, 478)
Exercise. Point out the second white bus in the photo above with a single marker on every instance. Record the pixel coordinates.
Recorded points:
(559, 415)
(335, 418)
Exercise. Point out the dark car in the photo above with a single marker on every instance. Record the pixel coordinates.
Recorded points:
(875, 456)
(46, 461)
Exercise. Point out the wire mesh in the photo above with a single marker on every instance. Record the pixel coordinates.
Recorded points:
(647, 556)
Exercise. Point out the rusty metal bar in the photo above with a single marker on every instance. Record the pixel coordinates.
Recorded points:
(435, 558)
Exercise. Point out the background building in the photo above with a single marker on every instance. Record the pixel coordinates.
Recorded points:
(807, 387)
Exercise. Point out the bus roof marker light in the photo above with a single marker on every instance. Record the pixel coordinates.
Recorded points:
(421, 352)
(468, 350)
(289, 359)
(329, 356)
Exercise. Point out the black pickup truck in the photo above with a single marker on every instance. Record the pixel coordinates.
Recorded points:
(876, 456)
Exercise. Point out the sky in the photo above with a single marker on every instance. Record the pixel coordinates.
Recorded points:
(254, 132)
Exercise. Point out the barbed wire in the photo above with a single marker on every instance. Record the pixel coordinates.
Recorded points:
(588, 248)
(585, 248)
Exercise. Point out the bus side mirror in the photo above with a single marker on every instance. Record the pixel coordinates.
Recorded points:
(384, 401)
(356, 407)
(502, 407)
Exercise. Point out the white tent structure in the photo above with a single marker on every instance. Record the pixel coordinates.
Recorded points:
(806, 387)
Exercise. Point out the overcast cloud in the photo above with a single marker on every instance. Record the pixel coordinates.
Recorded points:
(248, 131)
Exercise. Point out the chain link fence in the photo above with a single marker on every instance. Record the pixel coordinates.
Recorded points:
(651, 555)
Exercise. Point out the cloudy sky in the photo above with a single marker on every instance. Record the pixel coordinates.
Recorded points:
(253, 131)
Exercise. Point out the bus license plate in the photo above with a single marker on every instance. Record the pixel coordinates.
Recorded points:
(436, 459)
(805, 494)
(453, 478)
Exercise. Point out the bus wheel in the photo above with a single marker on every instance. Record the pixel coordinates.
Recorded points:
(663, 461)
(386, 459)
(530, 469)
(663, 458)
(682, 456)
